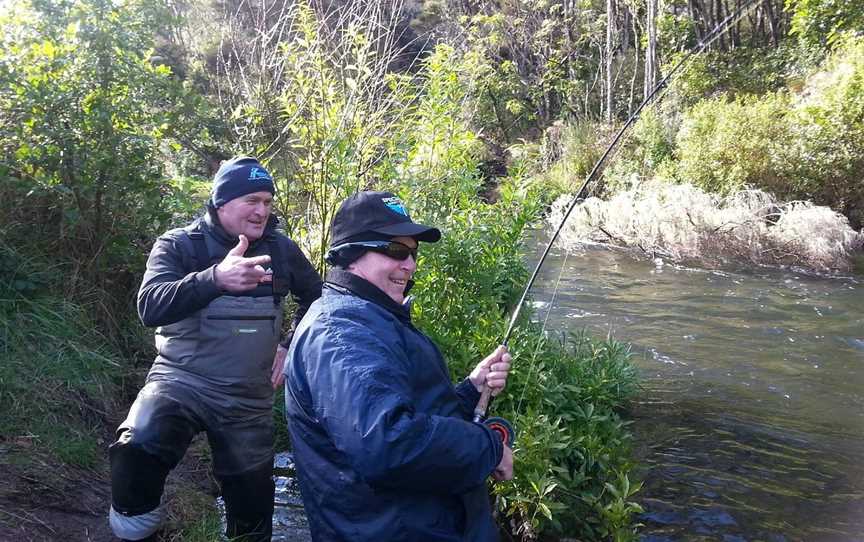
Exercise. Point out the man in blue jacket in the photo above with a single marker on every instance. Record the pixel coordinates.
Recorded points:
(384, 443)
(217, 310)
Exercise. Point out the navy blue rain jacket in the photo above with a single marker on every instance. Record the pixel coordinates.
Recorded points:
(383, 441)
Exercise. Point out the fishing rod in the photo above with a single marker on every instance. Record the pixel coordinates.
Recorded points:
(500, 425)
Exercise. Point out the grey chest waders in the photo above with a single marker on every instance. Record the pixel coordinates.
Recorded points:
(212, 374)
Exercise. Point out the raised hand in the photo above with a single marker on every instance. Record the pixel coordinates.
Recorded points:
(237, 273)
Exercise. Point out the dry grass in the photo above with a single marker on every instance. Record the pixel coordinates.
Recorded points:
(683, 223)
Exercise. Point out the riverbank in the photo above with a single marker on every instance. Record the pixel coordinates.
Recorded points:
(681, 223)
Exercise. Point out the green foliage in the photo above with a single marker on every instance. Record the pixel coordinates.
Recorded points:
(823, 22)
(573, 150)
(82, 116)
(744, 71)
(724, 145)
(797, 146)
(57, 375)
(648, 150)
(574, 440)
(534, 50)
(827, 147)
(441, 165)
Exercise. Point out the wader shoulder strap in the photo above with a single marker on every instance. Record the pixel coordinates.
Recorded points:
(202, 255)
(280, 274)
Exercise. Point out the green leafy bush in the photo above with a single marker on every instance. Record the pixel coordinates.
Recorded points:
(573, 457)
(724, 145)
(824, 22)
(826, 159)
(83, 115)
(803, 146)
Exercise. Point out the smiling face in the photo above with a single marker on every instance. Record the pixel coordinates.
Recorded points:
(247, 214)
(388, 274)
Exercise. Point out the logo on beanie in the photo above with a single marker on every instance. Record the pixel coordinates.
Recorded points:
(395, 204)
(259, 174)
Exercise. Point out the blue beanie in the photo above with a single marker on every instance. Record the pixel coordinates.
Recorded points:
(240, 176)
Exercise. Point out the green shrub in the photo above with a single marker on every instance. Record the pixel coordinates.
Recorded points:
(824, 22)
(572, 456)
(805, 146)
(724, 145)
(570, 152)
(648, 150)
(827, 159)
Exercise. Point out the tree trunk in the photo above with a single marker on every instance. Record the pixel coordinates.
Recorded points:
(610, 23)
(633, 20)
(772, 23)
(651, 49)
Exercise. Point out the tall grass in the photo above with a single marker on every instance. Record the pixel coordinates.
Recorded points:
(58, 376)
(685, 223)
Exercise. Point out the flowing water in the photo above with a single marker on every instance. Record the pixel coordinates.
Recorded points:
(751, 422)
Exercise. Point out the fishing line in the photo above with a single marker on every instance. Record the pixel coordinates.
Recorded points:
(542, 333)
(659, 88)
(709, 39)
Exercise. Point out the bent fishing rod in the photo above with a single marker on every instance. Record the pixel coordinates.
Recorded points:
(499, 425)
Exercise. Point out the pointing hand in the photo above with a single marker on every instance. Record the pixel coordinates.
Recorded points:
(237, 273)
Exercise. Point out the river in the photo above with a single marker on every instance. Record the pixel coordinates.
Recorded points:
(750, 425)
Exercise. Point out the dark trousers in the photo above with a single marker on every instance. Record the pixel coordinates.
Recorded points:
(154, 437)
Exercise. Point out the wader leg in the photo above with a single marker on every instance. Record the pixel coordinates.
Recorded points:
(243, 463)
(149, 444)
(249, 504)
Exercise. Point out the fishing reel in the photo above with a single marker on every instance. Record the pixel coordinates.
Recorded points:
(503, 429)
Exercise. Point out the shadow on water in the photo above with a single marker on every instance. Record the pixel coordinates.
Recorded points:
(751, 422)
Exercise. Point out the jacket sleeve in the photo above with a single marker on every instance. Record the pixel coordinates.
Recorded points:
(305, 286)
(168, 294)
(363, 399)
(469, 396)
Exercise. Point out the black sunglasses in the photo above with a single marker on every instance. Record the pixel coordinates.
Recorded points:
(391, 249)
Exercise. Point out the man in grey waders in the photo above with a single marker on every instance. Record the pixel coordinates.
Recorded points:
(214, 289)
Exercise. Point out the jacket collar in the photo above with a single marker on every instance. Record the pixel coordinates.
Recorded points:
(364, 289)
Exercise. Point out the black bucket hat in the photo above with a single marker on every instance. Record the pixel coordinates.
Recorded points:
(368, 216)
